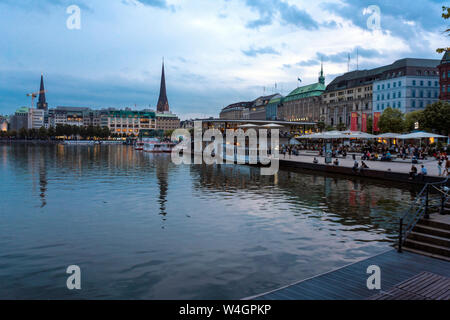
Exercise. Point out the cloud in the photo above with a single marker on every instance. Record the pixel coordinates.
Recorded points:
(161, 4)
(253, 52)
(288, 14)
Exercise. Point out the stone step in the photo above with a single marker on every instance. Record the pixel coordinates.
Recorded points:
(431, 239)
(427, 247)
(434, 224)
(431, 231)
(427, 254)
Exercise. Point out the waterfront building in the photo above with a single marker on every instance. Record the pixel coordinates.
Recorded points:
(235, 111)
(35, 118)
(73, 116)
(272, 108)
(407, 85)
(3, 124)
(129, 122)
(167, 121)
(303, 104)
(444, 77)
(20, 119)
(42, 102)
(257, 111)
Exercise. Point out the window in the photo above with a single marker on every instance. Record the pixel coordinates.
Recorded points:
(436, 83)
(393, 95)
(382, 86)
(421, 103)
(388, 96)
(378, 107)
(382, 97)
(378, 97)
(413, 103)
(395, 84)
(388, 85)
(429, 94)
(421, 94)
(429, 83)
(399, 104)
(378, 87)
(421, 83)
(414, 82)
(399, 94)
(413, 92)
(399, 83)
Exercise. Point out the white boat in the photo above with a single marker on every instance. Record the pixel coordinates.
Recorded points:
(156, 145)
(139, 145)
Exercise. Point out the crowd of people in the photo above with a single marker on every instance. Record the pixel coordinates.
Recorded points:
(374, 151)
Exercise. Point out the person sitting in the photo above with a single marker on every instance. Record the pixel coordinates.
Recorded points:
(423, 172)
(355, 166)
(412, 172)
(364, 165)
(315, 160)
(336, 162)
(414, 160)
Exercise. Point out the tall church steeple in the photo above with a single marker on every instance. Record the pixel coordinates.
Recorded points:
(163, 103)
(42, 103)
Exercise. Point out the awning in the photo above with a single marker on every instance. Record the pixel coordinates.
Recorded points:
(420, 135)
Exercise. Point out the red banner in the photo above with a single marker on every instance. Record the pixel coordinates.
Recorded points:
(364, 122)
(354, 122)
(376, 118)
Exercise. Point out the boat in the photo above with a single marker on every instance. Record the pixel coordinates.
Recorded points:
(139, 145)
(157, 145)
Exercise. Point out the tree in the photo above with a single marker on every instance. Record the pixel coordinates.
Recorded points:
(436, 117)
(369, 124)
(411, 118)
(42, 133)
(341, 126)
(391, 120)
(445, 15)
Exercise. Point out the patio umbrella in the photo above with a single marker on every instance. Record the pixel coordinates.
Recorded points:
(389, 135)
(419, 135)
(248, 125)
(272, 126)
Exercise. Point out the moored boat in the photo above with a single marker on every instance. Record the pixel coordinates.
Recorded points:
(157, 145)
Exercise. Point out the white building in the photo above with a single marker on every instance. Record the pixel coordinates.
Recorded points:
(35, 118)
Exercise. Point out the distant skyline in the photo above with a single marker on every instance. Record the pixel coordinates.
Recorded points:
(215, 52)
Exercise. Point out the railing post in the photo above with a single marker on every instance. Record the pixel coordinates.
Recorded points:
(427, 216)
(400, 236)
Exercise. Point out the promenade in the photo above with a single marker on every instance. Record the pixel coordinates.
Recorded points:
(397, 166)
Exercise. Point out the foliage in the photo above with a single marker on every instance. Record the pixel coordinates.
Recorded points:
(411, 118)
(445, 15)
(391, 120)
(436, 117)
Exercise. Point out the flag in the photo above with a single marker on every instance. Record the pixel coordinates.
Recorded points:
(300, 80)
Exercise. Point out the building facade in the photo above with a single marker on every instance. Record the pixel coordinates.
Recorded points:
(303, 104)
(235, 111)
(257, 111)
(129, 122)
(444, 77)
(272, 108)
(408, 85)
(35, 118)
(167, 121)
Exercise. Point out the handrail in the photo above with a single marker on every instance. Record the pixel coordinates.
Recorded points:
(406, 227)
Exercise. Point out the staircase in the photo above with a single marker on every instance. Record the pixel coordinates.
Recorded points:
(425, 227)
(431, 238)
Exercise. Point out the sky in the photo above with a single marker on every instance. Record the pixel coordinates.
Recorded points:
(216, 52)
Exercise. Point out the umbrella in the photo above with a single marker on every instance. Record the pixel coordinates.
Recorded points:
(419, 135)
(389, 135)
(272, 125)
(248, 125)
(294, 141)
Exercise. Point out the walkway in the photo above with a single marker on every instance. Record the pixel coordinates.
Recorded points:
(350, 282)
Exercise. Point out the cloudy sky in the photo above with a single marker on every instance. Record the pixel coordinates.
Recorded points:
(216, 51)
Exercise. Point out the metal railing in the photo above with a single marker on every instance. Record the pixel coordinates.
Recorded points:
(420, 207)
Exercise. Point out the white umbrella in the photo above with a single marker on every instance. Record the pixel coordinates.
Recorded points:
(361, 135)
(249, 125)
(272, 125)
(389, 135)
(294, 141)
(419, 135)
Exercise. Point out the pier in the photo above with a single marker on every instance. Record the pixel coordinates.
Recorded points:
(350, 282)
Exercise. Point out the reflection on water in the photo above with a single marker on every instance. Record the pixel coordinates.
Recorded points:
(140, 227)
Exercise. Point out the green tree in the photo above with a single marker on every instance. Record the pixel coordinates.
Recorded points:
(42, 133)
(369, 124)
(436, 117)
(446, 16)
(51, 132)
(411, 118)
(341, 126)
(23, 133)
(391, 120)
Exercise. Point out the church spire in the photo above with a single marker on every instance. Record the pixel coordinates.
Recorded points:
(42, 103)
(321, 77)
(163, 103)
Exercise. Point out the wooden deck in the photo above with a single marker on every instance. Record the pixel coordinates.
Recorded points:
(424, 286)
(349, 282)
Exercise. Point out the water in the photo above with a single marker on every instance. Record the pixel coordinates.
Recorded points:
(140, 227)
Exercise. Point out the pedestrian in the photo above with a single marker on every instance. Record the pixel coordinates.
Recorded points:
(439, 165)
(447, 165)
